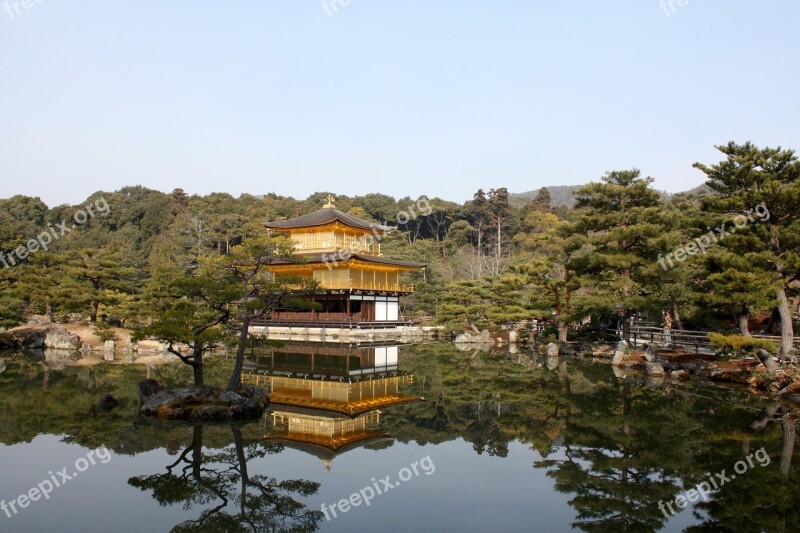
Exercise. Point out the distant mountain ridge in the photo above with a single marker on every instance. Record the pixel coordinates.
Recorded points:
(564, 195)
(559, 195)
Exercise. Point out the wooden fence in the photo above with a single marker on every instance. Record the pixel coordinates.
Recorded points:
(696, 341)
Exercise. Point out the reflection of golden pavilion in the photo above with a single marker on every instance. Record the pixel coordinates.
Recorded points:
(322, 434)
(339, 397)
(326, 361)
(326, 399)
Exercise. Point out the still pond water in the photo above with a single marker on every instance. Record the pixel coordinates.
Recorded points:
(412, 438)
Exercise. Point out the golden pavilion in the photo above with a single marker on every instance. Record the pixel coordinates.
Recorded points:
(358, 286)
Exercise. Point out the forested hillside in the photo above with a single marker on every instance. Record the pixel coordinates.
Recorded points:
(566, 195)
(725, 261)
(560, 195)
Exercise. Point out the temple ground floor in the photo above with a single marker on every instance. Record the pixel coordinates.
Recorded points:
(343, 309)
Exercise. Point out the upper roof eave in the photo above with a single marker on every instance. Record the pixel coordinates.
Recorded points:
(324, 216)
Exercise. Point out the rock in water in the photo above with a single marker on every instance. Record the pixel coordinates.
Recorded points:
(230, 396)
(59, 359)
(201, 404)
(7, 341)
(57, 337)
(469, 338)
(604, 351)
(569, 349)
(679, 374)
(33, 340)
(620, 353)
(3, 365)
(463, 338)
(654, 369)
(651, 353)
(107, 402)
(552, 350)
(148, 388)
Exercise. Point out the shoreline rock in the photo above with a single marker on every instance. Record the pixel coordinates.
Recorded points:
(471, 338)
(201, 404)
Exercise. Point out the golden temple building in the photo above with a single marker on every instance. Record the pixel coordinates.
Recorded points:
(358, 286)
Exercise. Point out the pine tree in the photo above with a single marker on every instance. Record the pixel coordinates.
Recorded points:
(95, 277)
(758, 192)
(542, 201)
(550, 281)
(616, 219)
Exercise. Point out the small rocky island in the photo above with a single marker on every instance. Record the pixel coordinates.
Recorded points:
(201, 403)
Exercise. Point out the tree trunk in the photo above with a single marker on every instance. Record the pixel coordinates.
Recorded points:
(744, 326)
(197, 450)
(93, 308)
(676, 315)
(49, 312)
(626, 326)
(627, 400)
(242, 459)
(787, 330)
(480, 252)
(766, 416)
(789, 434)
(499, 248)
(236, 376)
(766, 359)
(197, 366)
(563, 375)
(563, 330)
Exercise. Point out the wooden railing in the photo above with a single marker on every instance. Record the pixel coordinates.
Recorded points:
(341, 320)
(331, 245)
(695, 340)
(295, 316)
(368, 286)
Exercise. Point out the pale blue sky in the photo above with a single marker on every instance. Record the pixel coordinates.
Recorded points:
(402, 97)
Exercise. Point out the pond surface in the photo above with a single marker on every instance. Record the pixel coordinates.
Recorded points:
(416, 438)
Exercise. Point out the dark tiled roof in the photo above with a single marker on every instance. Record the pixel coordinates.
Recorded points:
(323, 216)
(387, 261)
(318, 258)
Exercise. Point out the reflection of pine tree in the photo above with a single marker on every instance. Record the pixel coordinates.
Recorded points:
(615, 463)
(488, 399)
(222, 478)
(761, 499)
(627, 445)
(486, 433)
